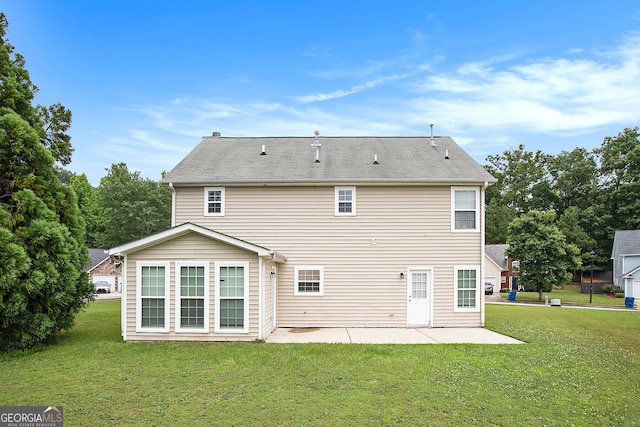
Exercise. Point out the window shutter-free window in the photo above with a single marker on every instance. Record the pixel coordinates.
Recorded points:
(467, 289)
(232, 298)
(465, 209)
(153, 303)
(192, 297)
(214, 201)
(345, 201)
(309, 281)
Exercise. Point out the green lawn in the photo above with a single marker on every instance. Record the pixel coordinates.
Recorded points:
(570, 295)
(579, 367)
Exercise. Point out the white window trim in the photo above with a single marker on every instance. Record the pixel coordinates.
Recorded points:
(453, 210)
(139, 265)
(475, 309)
(206, 201)
(178, 307)
(217, 327)
(308, 294)
(337, 201)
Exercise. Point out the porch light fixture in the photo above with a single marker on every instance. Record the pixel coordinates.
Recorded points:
(401, 275)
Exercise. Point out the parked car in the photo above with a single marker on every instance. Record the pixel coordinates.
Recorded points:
(488, 288)
(102, 287)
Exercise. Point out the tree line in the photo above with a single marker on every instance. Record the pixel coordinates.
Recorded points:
(123, 208)
(592, 193)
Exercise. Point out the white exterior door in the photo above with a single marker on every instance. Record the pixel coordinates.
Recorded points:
(418, 297)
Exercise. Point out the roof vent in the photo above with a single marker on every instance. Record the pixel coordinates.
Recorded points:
(215, 134)
(316, 142)
(432, 142)
(317, 156)
(263, 153)
(375, 159)
(446, 154)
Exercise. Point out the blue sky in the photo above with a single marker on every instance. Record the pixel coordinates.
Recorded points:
(145, 80)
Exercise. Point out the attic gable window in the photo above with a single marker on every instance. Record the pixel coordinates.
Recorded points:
(214, 201)
(465, 209)
(345, 201)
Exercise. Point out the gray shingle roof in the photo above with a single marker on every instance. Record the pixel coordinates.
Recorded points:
(97, 256)
(496, 253)
(626, 242)
(222, 160)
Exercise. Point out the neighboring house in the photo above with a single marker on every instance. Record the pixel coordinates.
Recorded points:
(495, 266)
(311, 232)
(626, 262)
(103, 268)
(500, 265)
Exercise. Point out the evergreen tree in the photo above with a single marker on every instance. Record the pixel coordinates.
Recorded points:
(42, 250)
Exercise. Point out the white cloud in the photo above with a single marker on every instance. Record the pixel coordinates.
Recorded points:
(342, 93)
(552, 95)
(486, 105)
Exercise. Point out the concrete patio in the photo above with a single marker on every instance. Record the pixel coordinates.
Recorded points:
(390, 336)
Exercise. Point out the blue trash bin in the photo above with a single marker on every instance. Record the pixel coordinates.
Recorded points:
(512, 295)
(628, 302)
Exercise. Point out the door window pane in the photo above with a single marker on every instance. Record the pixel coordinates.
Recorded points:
(419, 285)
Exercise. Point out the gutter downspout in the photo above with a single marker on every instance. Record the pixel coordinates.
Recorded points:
(483, 255)
(274, 293)
(123, 300)
(260, 297)
(173, 204)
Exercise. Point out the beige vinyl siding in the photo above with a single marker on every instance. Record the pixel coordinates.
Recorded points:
(411, 226)
(267, 318)
(191, 247)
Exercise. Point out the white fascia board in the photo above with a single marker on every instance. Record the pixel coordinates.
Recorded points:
(184, 229)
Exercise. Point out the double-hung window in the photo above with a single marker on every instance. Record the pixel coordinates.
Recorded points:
(232, 299)
(465, 209)
(467, 293)
(309, 281)
(345, 201)
(214, 201)
(192, 297)
(153, 297)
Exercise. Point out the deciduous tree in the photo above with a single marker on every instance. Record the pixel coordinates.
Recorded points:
(546, 259)
(519, 171)
(131, 207)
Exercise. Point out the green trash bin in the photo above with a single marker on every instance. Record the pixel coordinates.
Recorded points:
(628, 302)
